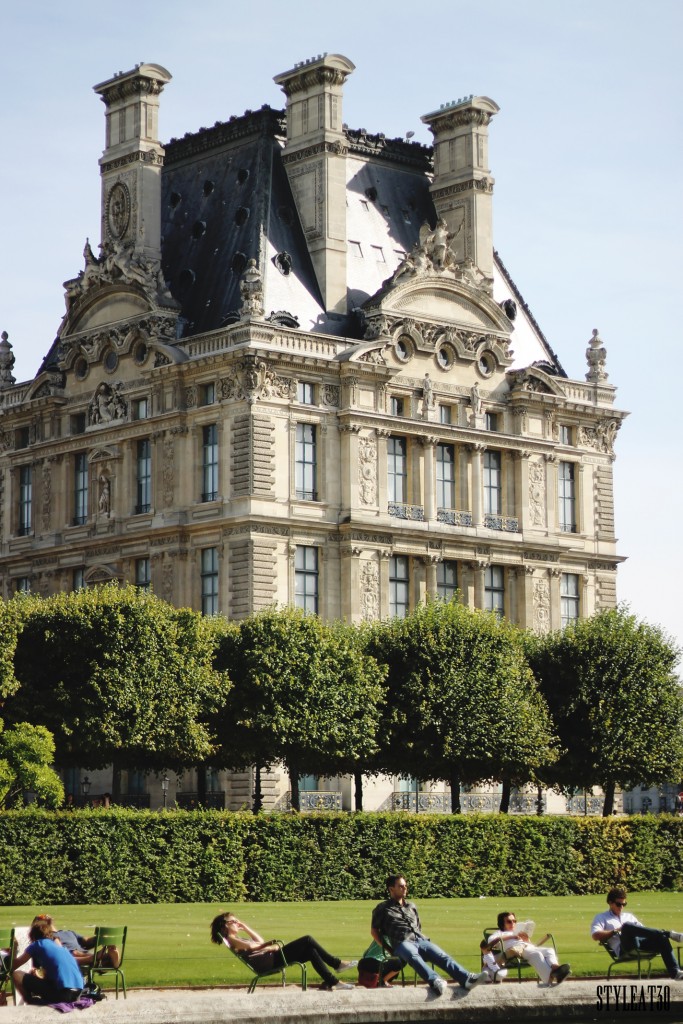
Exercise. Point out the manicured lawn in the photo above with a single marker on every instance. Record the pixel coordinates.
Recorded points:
(169, 943)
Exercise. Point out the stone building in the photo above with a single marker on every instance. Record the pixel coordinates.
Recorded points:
(296, 370)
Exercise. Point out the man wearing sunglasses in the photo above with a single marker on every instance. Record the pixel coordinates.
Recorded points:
(622, 930)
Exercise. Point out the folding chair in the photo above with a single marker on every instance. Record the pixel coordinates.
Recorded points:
(516, 963)
(632, 956)
(7, 962)
(106, 940)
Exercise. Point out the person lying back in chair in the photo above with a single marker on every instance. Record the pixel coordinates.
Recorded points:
(516, 943)
(623, 932)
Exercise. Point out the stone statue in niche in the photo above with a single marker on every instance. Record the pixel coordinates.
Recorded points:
(428, 400)
(107, 404)
(104, 500)
(475, 400)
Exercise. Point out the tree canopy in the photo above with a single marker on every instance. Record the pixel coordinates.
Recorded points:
(26, 755)
(462, 704)
(117, 675)
(616, 702)
(304, 694)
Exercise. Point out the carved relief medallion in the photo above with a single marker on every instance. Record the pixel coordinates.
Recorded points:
(118, 210)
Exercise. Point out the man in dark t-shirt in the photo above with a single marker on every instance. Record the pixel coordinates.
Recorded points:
(396, 923)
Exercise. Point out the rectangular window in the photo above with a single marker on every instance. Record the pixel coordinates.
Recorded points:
(445, 414)
(144, 476)
(22, 437)
(210, 462)
(398, 586)
(396, 406)
(305, 392)
(209, 575)
(207, 394)
(78, 579)
(80, 488)
(23, 584)
(378, 253)
(141, 409)
(447, 580)
(305, 462)
(397, 468)
(569, 598)
(492, 483)
(25, 500)
(445, 476)
(566, 497)
(565, 434)
(78, 423)
(355, 250)
(491, 421)
(494, 590)
(306, 578)
(143, 579)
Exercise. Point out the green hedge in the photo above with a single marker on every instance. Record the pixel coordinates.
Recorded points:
(124, 856)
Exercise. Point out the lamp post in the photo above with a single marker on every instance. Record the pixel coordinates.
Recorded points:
(164, 787)
(85, 786)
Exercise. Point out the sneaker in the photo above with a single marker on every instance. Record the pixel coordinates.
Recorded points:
(558, 974)
(346, 965)
(477, 979)
(325, 987)
(676, 936)
(678, 976)
(438, 986)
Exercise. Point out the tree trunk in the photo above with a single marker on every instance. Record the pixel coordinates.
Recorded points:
(539, 801)
(455, 794)
(201, 786)
(294, 800)
(608, 806)
(257, 804)
(116, 782)
(505, 795)
(358, 790)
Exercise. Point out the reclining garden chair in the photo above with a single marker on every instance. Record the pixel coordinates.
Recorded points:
(515, 963)
(7, 962)
(108, 952)
(631, 956)
(282, 971)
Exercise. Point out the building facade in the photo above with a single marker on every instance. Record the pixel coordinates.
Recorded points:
(297, 371)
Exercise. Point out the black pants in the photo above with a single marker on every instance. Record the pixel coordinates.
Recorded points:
(307, 950)
(649, 940)
(40, 990)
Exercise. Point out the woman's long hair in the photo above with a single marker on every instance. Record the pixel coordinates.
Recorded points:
(217, 926)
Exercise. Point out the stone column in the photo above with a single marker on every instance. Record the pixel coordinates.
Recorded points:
(551, 491)
(477, 496)
(429, 503)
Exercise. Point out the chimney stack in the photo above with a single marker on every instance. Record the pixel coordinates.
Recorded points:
(130, 166)
(315, 159)
(462, 188)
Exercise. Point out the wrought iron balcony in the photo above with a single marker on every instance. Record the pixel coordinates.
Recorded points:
(427, 803)
(509, 524)
(453, 517)
(401, 511)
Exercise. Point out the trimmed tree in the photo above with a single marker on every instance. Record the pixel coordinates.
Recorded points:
(616, 702)
(304, 694)
(26, 755)
(118, 676)
(462, 703)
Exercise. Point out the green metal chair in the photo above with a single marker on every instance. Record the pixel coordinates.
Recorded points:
(106, 940)
(632, 956)
(7, 962)
(516, 963)
(275, 970)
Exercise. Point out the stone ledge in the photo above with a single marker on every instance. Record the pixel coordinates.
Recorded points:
(574, 1000)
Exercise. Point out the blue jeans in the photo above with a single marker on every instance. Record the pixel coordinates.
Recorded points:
(650, 940)
(415, 954)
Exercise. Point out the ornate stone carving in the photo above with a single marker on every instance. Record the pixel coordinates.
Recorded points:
(369, 591)
(541, 600)
(367, 470)
(330, 395)
(6, 361)
(47, 497)
(118, 210)
(596, 357)
(428, 399)
(104, 499)
(253, 380)
(107, 404)
(119, 263)
(537, 492)
(601, 437)
(168, 471)
(251, 290)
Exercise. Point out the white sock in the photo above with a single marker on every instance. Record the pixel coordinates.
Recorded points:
(676, 936)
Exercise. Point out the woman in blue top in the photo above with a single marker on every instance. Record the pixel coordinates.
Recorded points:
(62, 981)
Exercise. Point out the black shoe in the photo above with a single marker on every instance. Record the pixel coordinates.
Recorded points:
(558, 974)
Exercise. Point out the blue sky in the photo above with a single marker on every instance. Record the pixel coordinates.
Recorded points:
(586, 153)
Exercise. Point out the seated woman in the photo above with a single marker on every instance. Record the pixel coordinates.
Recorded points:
(266, 956)
(62, 981)
(516, 943)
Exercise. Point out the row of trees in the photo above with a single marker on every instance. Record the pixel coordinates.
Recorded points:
(449, 693)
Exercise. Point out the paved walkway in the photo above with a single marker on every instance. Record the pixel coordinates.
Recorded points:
(509, 1002)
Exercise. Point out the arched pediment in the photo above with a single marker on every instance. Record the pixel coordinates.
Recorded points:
(533, 379)
(108, 306)
(440, 299)
(99, 575)
(46, 385)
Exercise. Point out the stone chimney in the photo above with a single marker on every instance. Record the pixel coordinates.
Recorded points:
(462, 189)
(131, 163)
(315, 159)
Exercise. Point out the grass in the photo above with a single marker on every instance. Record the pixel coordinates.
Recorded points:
(168, 944)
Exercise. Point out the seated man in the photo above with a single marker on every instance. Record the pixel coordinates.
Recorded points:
(515, 943)
(398, 921)
(623, 933)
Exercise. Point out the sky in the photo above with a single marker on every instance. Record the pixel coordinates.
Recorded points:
(586, 154)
